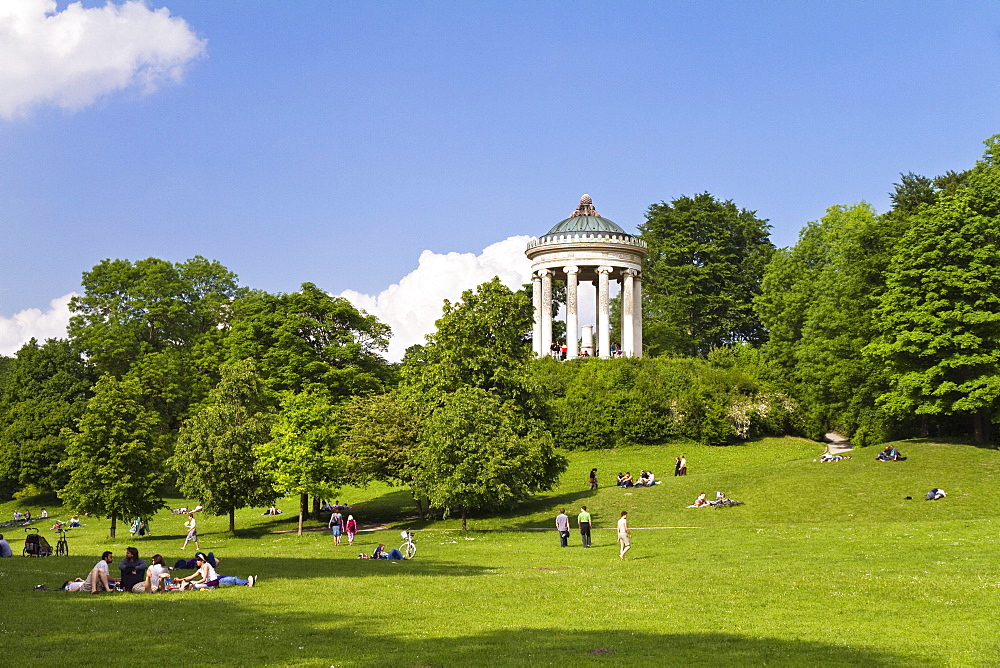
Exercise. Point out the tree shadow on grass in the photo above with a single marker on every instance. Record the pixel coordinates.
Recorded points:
(225, 628)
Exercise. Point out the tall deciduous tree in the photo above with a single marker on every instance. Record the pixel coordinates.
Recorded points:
(310, 340)
(302, 456)
(114, 460)
(817, 302)
(939, 318)
(705, 263)
(479, 452)
(481, 341)
(47, 390)
(216, 452)
(159, 322)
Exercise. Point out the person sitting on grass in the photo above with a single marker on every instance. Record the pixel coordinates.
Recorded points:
(157, 575)
(74, 522)
(700, 502)
(133, 571)
(621, 479)
(890, 454)
(627, 482)
(209, 578)
(98, 579)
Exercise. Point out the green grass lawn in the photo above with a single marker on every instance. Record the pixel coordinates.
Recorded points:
(824, 564)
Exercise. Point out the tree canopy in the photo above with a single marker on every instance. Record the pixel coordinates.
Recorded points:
(705, 264)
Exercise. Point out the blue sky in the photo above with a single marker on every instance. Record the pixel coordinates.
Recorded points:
(335, 142)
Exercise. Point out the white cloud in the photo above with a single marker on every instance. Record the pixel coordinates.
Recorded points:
(21, 327)
(412, 306)
(72, 57)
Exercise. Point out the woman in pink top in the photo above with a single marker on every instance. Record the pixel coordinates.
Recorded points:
(351, 528)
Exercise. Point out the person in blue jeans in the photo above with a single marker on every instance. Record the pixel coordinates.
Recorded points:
(380, 553)
(229, 580)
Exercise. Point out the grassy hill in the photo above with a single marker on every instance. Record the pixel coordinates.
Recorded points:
(824, 563)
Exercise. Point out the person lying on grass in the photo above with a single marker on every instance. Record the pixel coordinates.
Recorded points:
(380, 553)
(827, 457)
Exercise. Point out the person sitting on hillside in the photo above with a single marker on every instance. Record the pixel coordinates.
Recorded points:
(627, 482)
(700, 502)
(74, 522)
(890, 454)
(621, 479)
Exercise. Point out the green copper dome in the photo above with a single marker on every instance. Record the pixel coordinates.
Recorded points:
(586, 220)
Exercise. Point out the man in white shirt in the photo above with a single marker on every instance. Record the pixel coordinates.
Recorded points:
(562, 525)
(98, 579)
(5, 550)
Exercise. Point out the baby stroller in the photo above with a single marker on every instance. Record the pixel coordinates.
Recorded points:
(35, 545)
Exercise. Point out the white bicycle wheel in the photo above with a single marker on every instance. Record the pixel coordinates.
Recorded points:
(408, 550)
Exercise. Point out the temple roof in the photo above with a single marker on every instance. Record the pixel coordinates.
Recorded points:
(586, 219)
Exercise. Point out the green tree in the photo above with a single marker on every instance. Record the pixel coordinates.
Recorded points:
(481, 341)
(48, 387)
(309, 340)
(114, 460)
(816, 302)
(159, 322)
(215, 457)
(939, 318)
(478, 452)
(705, 264)
(302, 456)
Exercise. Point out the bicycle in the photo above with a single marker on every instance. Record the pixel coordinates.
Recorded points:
(408, 548)
(62, 546)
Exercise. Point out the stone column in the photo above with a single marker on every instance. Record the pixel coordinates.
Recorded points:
(587, 340)
(604, 312)
(572, 317)
(546, 310)
(628, 313)
(637, 313)
(536, 302)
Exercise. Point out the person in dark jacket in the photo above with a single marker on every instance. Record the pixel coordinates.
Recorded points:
(133, 569)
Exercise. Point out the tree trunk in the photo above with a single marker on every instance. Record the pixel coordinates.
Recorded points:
(232, 521)
(464, 528)
(316, 508)
(303, 509)
(114, 525)
(925, 426)
(981, 426)
(420, 507)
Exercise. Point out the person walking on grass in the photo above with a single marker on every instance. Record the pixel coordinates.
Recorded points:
(562, 525)
(336, 524)
(583, 519)
(192, 535)
(624, 535)
(352, 528)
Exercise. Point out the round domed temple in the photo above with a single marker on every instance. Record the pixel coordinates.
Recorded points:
(587, 247)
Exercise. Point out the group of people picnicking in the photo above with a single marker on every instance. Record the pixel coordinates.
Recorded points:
(136, 576)
(645, 479)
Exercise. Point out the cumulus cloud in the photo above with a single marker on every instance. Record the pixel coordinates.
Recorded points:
(412, 306)
(21, 327)
(72, 57)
